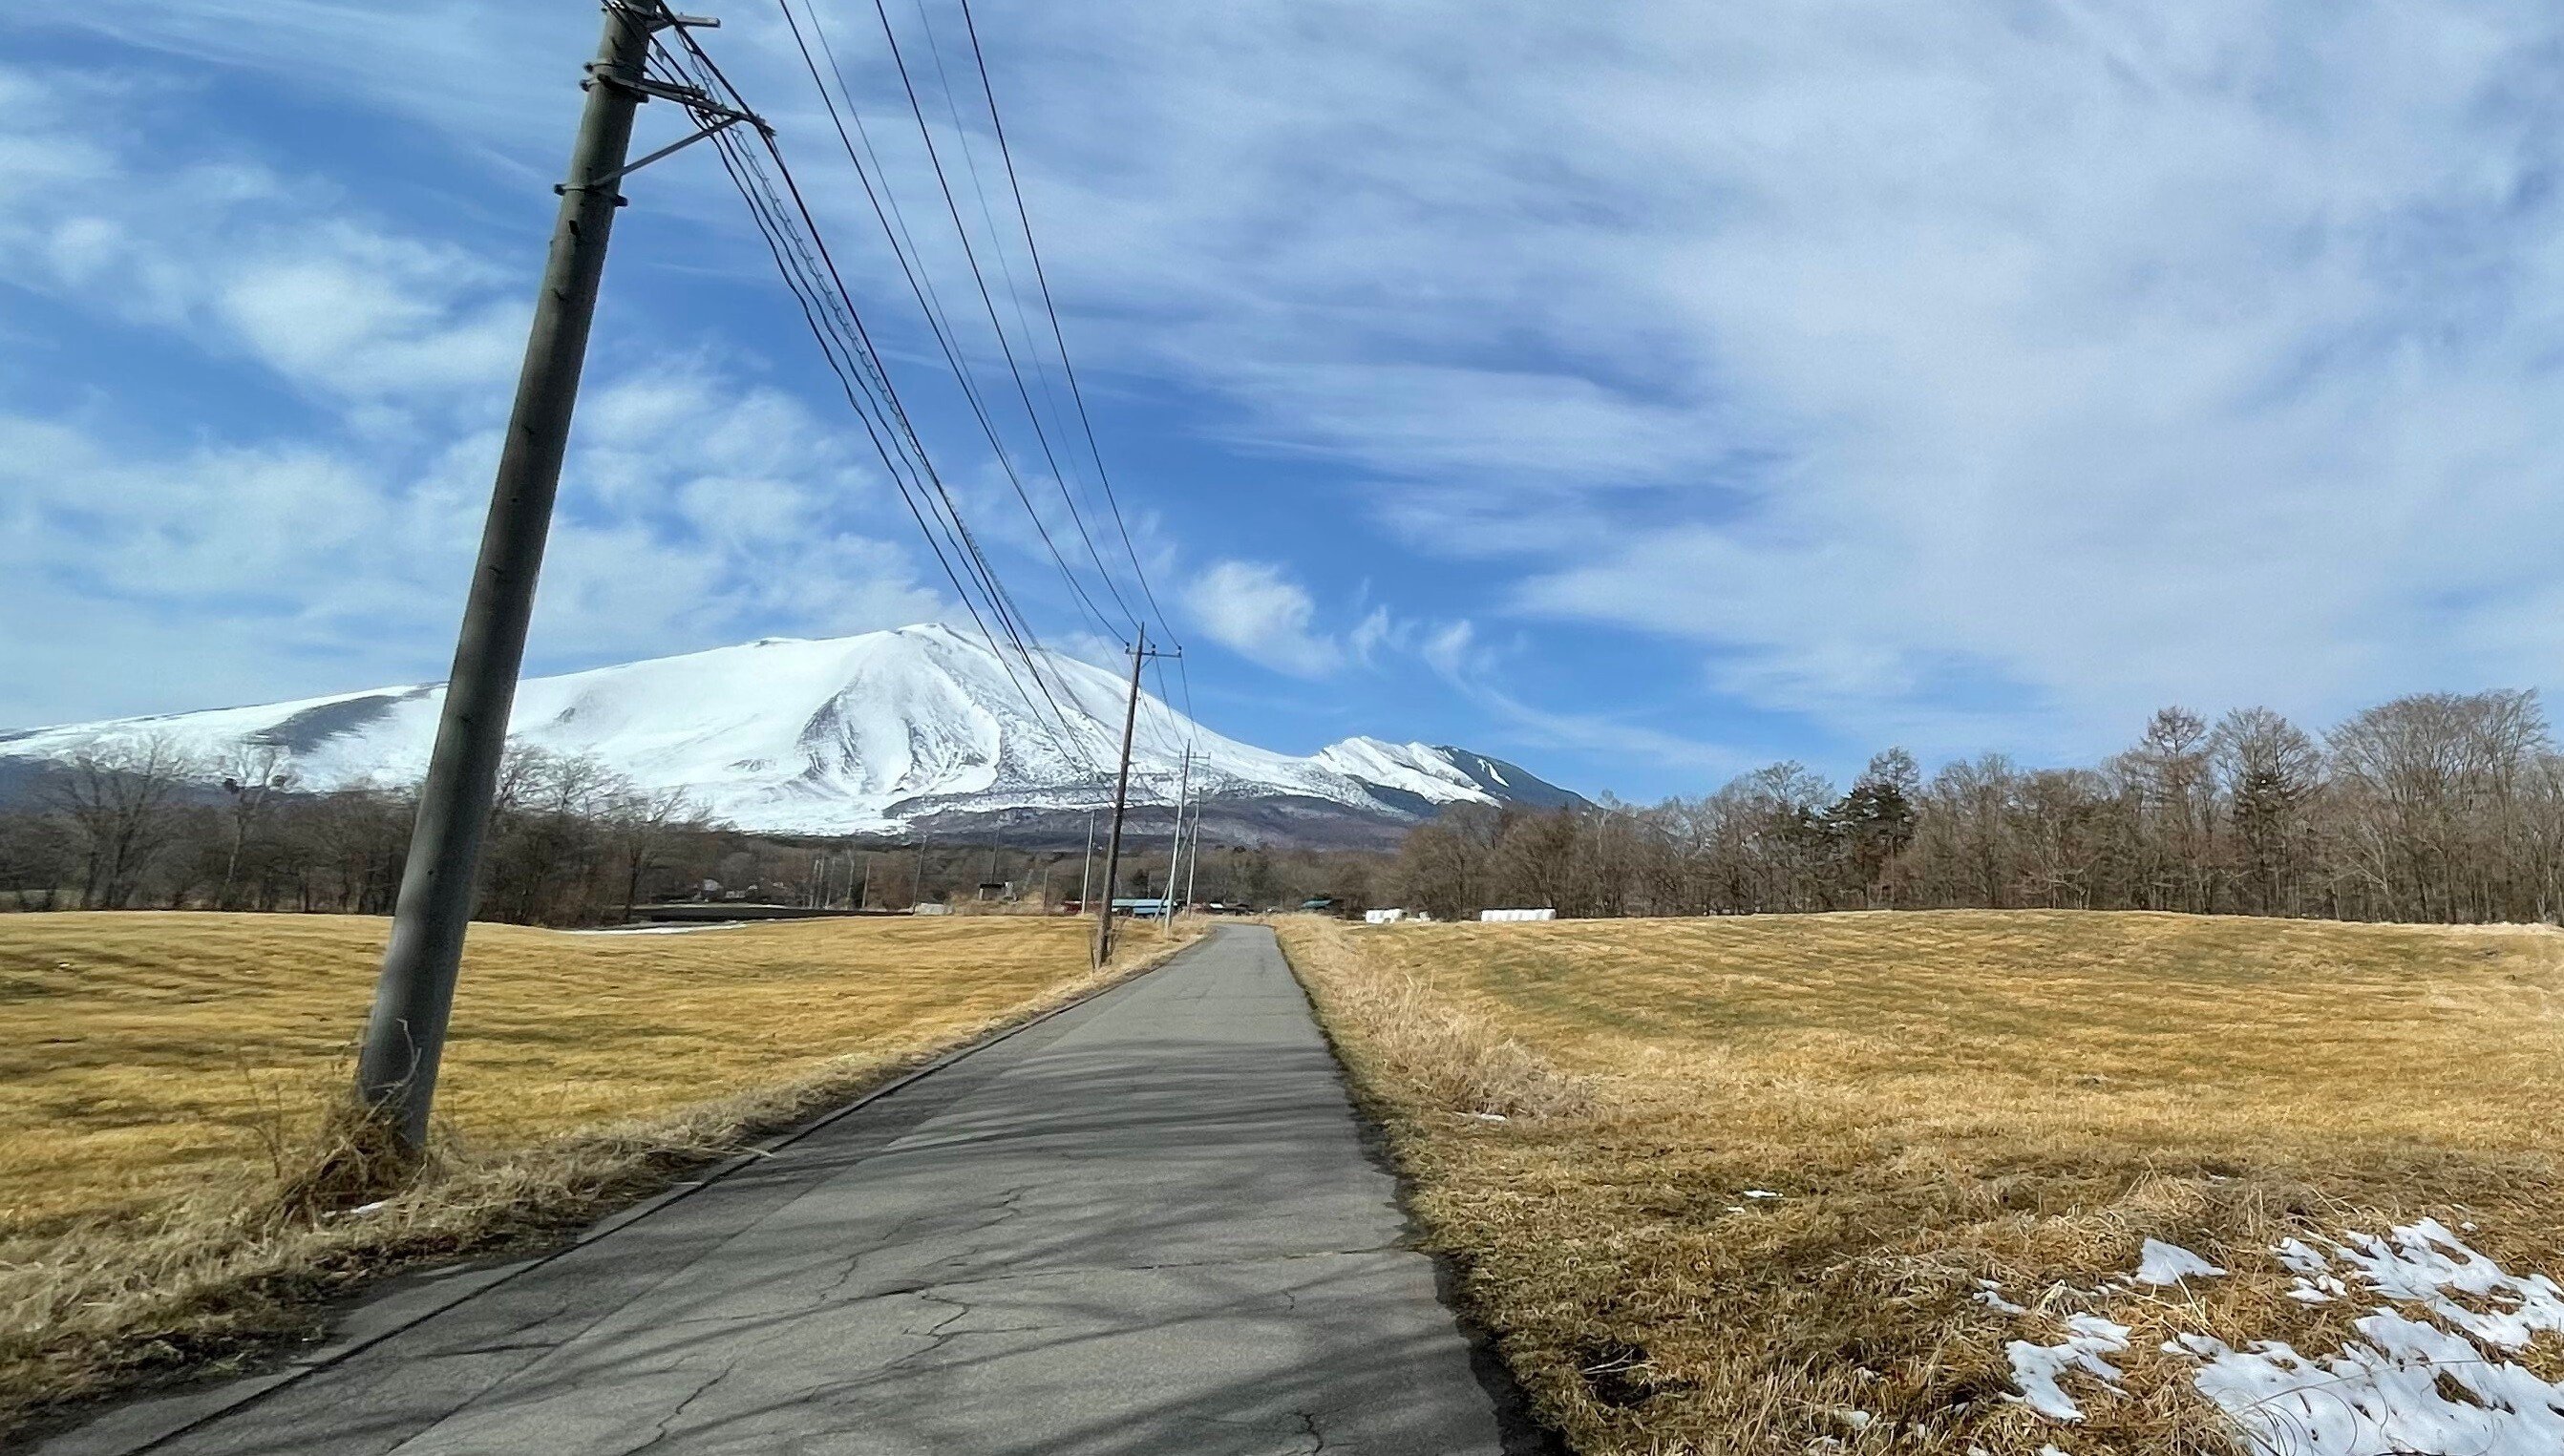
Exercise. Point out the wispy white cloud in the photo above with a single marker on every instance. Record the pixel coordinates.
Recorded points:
(1456, 654)
(270, 555)
(241, 261)
(1965, 374)
(468, 74)
(1982, 374)
(363, 316)
(1376, 630)
(1254, 611)
(300, 558)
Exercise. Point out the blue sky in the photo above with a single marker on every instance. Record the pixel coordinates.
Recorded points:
(1640, 391)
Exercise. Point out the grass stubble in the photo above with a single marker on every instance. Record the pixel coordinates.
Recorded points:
(1937, 1099)
(168, 1083)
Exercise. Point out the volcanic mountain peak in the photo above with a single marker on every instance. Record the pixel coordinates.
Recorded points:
(848, 735)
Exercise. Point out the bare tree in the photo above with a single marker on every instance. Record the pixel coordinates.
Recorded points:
(2433, 789)
(1443, 867)
(117, 803)
(36, 857)
(251, 775)
(642, 827)
(1968, 826)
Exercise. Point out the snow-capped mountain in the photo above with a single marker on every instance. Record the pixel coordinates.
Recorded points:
(854, 736)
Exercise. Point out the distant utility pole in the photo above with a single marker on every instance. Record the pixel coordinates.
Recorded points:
(1086, 872)
(919, 898)
(1176, 846)
(1120, 802)
(864, 897)
(405, 1036)
(1192, 866)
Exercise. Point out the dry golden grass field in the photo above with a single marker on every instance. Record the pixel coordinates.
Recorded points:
(161, 1076)
(1746, 1185)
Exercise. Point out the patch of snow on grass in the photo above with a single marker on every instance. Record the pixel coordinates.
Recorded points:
(2391, 1392)
(2422, 1263)
(2426, 1371)
(2406, 1384)
(2036, 1368)
(2300, 1257)
(2160, 1263)
(1990, 1293)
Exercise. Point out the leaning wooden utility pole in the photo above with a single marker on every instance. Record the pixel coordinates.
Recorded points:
(405, 1036)
(1121, 801)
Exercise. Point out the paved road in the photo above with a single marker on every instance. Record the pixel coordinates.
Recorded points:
(1146, 1225)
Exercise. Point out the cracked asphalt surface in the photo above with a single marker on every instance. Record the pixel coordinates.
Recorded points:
(1148, 1224)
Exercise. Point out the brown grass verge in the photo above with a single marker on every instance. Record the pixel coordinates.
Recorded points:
(1937, 1099)
(181, 1070)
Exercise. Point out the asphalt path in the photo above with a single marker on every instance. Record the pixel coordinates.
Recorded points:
(1148, 1224)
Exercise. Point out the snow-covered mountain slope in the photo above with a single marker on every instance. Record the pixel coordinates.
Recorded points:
(850, 735)
(1437, 774)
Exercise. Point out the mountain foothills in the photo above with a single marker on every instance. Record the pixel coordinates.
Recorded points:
(865, 734)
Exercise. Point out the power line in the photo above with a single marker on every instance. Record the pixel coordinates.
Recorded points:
(1158, 730)
(902, 244)
(829, 345)
(802, 256)
(1067, 367)
(1008, 616)
(989, 216)
(827, 309)
(961, 232)
(1032, 250)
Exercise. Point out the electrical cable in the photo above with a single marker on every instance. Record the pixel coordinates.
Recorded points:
(1067, 367)
(902, 244)
(828, 311)
(943, 184)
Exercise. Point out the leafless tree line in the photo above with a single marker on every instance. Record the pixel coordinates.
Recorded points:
(2434, 807)
(2445, 807)
(146, 826)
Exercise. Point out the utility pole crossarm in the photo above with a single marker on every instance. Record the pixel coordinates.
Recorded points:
(672, 149)
(712, 115)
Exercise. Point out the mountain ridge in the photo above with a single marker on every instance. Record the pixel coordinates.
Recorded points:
(871, 733)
